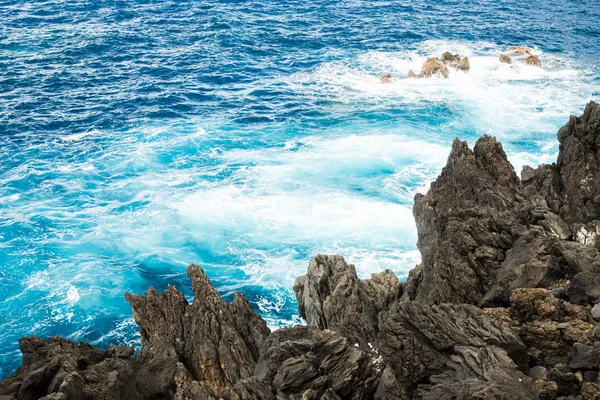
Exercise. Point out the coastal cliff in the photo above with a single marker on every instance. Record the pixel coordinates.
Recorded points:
(503, 306)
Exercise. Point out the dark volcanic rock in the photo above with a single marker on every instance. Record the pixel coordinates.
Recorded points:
(421, 341)
(330, 296)
(536, 260)
(466, 223)
(572, 185)
(218, 342)
(309, 363)
(75, 371)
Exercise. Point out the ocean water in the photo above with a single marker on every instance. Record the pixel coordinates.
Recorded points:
(247, 136)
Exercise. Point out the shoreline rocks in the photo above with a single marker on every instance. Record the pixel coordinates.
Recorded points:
(527, 56)
(435, 66)
(504, 305)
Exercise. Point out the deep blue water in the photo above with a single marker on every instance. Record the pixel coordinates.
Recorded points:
(247, 136)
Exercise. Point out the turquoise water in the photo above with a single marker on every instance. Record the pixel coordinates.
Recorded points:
(138, 137)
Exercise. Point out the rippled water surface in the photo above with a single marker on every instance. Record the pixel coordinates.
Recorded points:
(246, 136)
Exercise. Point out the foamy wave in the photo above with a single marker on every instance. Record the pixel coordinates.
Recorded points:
(510, 101)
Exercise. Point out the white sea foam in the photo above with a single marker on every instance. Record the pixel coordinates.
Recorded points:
(78, 136)
(510, 101)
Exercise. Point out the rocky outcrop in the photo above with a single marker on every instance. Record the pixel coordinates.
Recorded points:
(218, 342)
(505, 59)
(466, 223)
(578, 169)
(430, 349)
(330, 296)
(527, 56)
(503, 306)
(431, 67)
(439, 66)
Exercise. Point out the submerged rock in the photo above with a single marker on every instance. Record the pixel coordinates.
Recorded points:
(386, 78)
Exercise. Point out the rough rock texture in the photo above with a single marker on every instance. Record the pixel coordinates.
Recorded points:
(330, 296)
(534, 261)
(231, 336)
(466, 223)
(433, 67)
(505, 59)
(456, 61)
(78, 371)
(571, 187)
(316, 364)
(420, 341)
(525, 249)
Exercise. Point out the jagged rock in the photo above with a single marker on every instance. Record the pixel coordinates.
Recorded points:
(479, 373)
(218, 342)
(466, 223)
(532, 60)
(301, 359)
(63, 369)
(571, 187)
(439, 66)
(434, 67)
(505, 59)
(449, 58)
(462, 65)
(456, 61)
(520, 50)
(535, 260)
(421, 341)
(543, 185)
(584, 261)
(330, 296)
(389, 388)
(579, 166)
